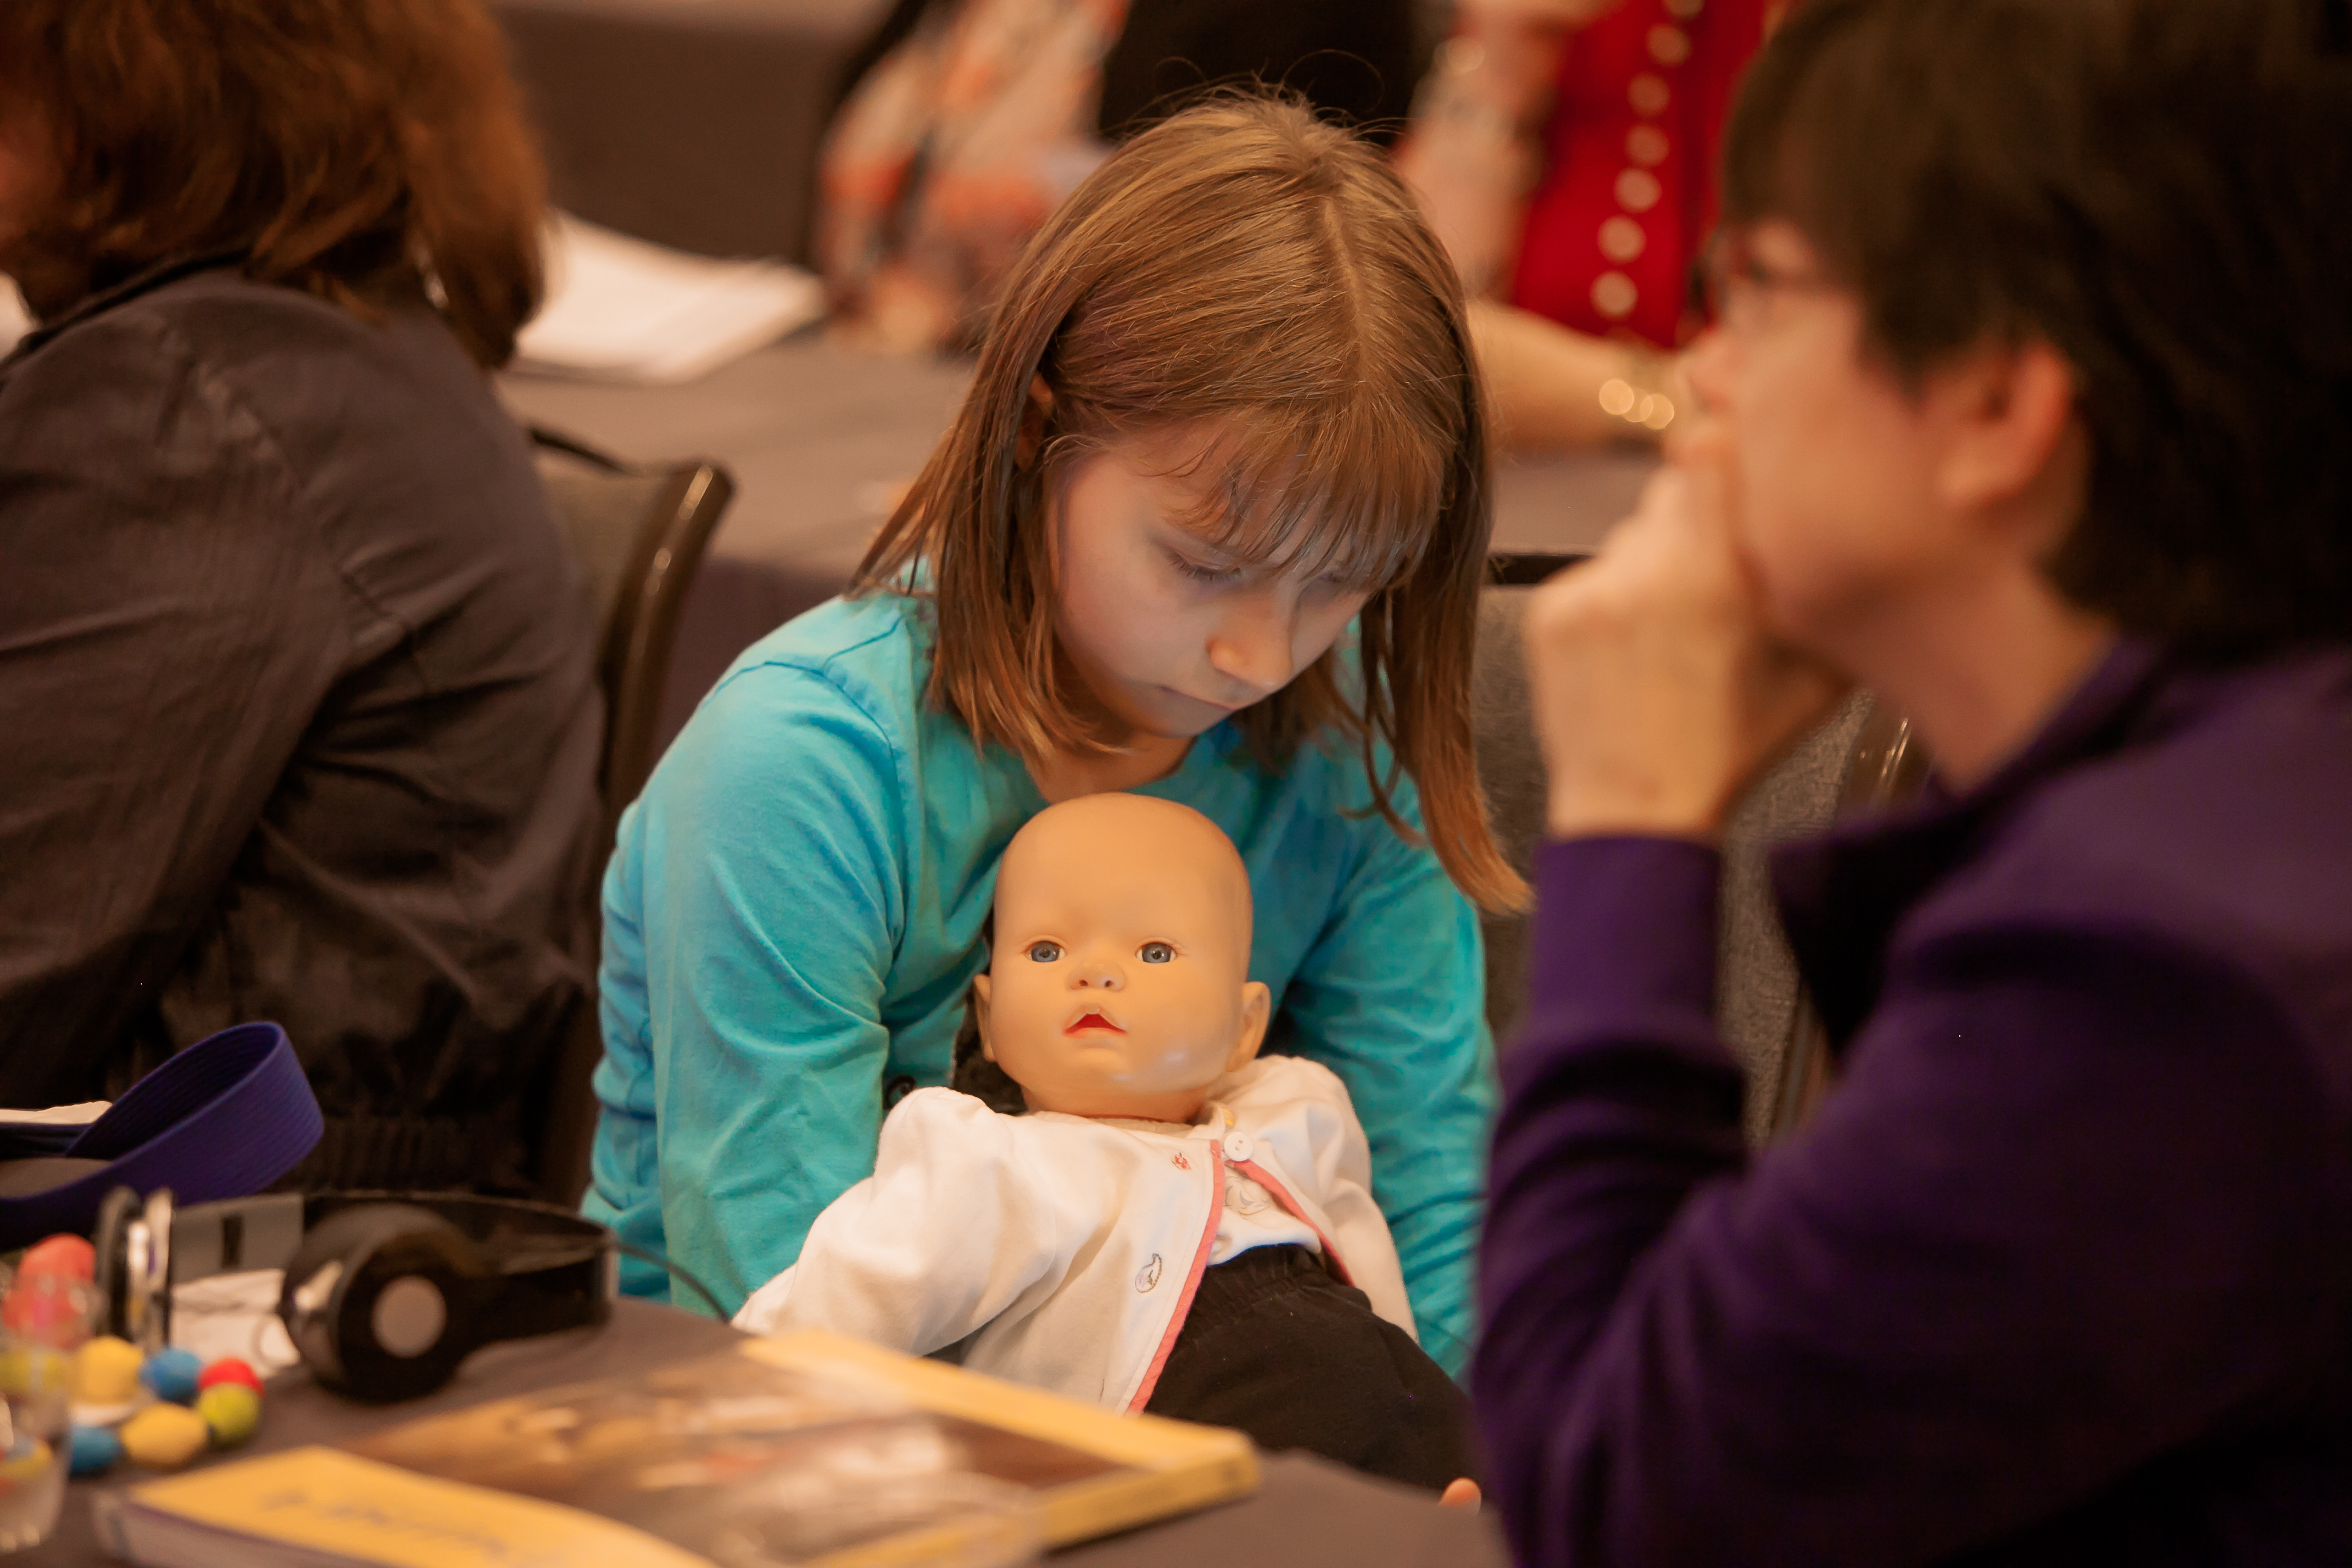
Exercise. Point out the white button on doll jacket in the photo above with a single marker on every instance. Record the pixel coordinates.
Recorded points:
(1067, 1249)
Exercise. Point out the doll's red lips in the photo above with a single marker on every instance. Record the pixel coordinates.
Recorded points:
(1092, 1020)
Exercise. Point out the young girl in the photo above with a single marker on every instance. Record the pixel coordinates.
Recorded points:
(1210, 526)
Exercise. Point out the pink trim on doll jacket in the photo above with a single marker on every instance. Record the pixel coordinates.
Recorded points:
(1273, 1184)
(1215, 1167)
(1282, 1194)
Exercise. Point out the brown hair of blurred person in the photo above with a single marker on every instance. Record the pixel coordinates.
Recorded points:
(2213, 369)
(1246, 268)
(353, 149)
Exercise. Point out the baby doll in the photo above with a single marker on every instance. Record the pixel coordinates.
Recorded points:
(1177, 1224)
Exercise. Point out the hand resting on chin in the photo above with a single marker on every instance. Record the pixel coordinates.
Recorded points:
(1659, 693)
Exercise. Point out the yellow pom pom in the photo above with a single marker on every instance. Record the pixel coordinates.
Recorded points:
(231, 1410)
(108, 1372)
(36, 1369)
(163, 1437)
(27, 1459)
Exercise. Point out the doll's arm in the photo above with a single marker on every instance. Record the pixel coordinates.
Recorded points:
(953, 1228)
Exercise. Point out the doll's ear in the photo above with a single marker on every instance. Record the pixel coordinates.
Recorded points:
(979, 1015)
(1257, 1007)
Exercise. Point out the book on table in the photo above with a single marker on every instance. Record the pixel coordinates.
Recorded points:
(805, 1449)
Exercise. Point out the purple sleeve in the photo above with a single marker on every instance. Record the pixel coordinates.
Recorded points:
(2065, 1208)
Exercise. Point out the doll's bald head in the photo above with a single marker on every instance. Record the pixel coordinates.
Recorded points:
(1118, 982)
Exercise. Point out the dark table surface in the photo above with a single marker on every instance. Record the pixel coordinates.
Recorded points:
(1306, 1514)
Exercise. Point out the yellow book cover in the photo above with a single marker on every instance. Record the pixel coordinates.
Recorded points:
(800, 1451)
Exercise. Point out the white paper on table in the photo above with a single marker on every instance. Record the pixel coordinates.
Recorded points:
(233, 1314)
(80, 1115)
(620, 308)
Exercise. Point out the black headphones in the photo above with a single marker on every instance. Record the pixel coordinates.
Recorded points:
(385, 1293)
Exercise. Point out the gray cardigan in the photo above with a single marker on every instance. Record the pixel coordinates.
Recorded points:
(298, 718)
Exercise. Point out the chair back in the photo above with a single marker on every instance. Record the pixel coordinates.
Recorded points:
(1759, 1004)
(1510, 766)
(640, 534)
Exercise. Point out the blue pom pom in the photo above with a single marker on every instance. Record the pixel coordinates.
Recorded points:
(95, 1450)
(172, 1375)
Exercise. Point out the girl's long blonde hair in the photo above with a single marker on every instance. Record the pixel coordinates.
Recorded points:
(1248, 269)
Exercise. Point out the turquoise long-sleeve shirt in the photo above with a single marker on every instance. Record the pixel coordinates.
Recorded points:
(793, 911)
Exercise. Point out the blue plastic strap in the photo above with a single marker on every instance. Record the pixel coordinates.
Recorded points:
(223, 1118)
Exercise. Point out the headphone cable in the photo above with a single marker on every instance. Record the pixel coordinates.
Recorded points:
(678, 1270)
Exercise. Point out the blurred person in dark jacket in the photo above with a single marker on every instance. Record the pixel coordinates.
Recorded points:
(296, 713)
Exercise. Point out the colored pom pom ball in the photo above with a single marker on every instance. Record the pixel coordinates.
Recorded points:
(60, 1257)
(34, 1369)
(173, 1374)
(231, 1412)
(107, 1371)
(50, 1308)
(48, 1299)
(230, 1369)
(27, 1459)
(95, 1450)
(164, 1437)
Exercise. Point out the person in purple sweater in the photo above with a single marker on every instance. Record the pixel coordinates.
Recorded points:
(2028, 406)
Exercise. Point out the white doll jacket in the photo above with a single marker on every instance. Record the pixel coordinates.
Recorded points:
(1067, 1249)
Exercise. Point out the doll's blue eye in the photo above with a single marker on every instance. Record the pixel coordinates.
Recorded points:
(1045, 952)
(1155, 952)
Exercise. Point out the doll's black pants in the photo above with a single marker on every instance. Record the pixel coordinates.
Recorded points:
(1275, 1346)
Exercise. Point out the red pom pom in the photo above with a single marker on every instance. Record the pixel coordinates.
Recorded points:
(229, 1369)
(67, 1257)
(45, 1299)
(44, 1308)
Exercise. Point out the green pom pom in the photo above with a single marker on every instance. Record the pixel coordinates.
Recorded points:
(231, 1411)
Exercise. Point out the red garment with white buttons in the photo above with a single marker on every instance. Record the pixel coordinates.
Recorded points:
(1627, 194)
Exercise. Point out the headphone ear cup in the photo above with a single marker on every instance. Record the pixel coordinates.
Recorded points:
(382, 1300)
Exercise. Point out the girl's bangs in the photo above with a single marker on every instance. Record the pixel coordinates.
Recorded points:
(1354, 498)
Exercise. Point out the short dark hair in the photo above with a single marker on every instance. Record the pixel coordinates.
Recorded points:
(2159, 189)
(344, 147)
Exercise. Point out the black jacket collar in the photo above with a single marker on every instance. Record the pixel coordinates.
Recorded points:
(99, 301)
